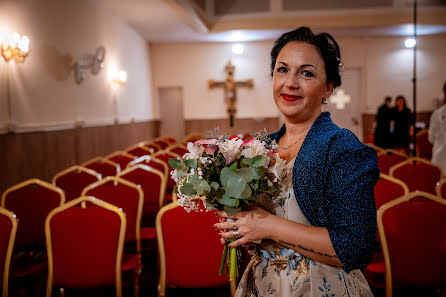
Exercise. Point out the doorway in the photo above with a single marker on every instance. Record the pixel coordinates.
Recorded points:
(171, 112)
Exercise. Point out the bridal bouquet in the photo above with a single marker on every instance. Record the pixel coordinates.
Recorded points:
(230, 174)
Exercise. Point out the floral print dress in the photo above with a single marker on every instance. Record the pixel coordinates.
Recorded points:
(275, 270)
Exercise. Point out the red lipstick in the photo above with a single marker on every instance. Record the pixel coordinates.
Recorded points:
(290, 98)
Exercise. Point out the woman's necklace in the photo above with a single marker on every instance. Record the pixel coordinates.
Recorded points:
(285, 147)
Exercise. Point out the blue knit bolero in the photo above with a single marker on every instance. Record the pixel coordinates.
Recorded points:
(334, 176)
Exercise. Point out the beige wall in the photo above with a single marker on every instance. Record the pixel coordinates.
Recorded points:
(43, 92)
(386, 68)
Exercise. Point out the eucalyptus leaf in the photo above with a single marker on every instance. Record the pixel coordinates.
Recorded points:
(247, 192)
(215, 185)
(246, 174)
(228, 201)
(225, 174)
(248, 161)
(202, 187)
(188, 190)
(174, 163)
(230, 211)
(191, 163)
(181, 173)
(194, 179)
(258, 173)
(260, 161)
(235, 187)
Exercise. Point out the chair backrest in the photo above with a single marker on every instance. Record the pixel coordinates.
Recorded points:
(125, 195)
(192, 138)
(377, 148)
(413, 236)
(162, 142)
(153, 185)
(388, 158)
(74, 179)
(388, 188)
(120, 157)
(103, 166)
(424, 147)
(177, 244)
(85, 241)
(152, 162)
(178, 149)
(139, 150)
(165, 156)
(171, 140)
(153, 147)
(8, 229)
(31, 201)
(441, 188)
(418, 174)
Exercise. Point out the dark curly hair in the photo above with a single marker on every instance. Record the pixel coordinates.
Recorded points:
(327, 45)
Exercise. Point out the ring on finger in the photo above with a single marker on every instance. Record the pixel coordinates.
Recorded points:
(236, 233)
(234, 226)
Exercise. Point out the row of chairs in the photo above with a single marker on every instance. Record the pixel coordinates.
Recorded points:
(56, 196)
(417, 173)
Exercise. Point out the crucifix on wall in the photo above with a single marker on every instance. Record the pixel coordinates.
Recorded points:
(230, 87)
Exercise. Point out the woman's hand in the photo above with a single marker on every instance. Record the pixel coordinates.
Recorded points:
(248, 226)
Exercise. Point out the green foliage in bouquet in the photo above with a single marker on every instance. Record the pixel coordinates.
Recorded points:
(226, 187)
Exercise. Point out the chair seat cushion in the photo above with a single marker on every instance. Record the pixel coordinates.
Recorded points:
(148, 233)
(129, 262)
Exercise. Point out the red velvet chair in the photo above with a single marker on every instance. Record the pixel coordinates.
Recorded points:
(85, 242)
(153, 147)
(389, 158)
(8, 229)
(120, 157)
(162, 142)
(139, 150)
(424, 147)
(170, 140)
(179, 267)
(74, 179)
(128, 197)
(31, 201)
(418, 174)
(178, 149)
(386, 189)
(153, 185)
(413, 234)
(103, 166)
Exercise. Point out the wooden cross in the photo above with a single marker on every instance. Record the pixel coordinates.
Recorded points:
(230, 87)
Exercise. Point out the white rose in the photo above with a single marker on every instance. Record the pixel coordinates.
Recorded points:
(254, 148)
(230, 148)
(279, 167)
(195, 151)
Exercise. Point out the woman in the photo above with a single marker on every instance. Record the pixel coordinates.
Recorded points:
(403, 124)
(314, 240)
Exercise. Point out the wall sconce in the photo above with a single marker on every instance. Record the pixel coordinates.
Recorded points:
(15, 47)
(93, 62)
(120, 77)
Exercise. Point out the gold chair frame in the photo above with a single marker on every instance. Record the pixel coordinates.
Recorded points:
(76, 168)
(119, 153)
(396, 181)
(138, 145)
(377, 148)
(382, 234)
(394, 152)
(438, 187)
(102, 160)
(170, 148)
(9, 249)
(187, 138)
(30, 182)
(82, 200)
(149, 169)
(410, 160)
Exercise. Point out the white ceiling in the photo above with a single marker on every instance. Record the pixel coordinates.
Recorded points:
(183, 21)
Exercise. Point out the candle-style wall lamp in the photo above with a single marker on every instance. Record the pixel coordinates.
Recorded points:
(14, 47)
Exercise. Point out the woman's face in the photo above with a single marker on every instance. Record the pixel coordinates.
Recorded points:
(300, 81)
(400, 103)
